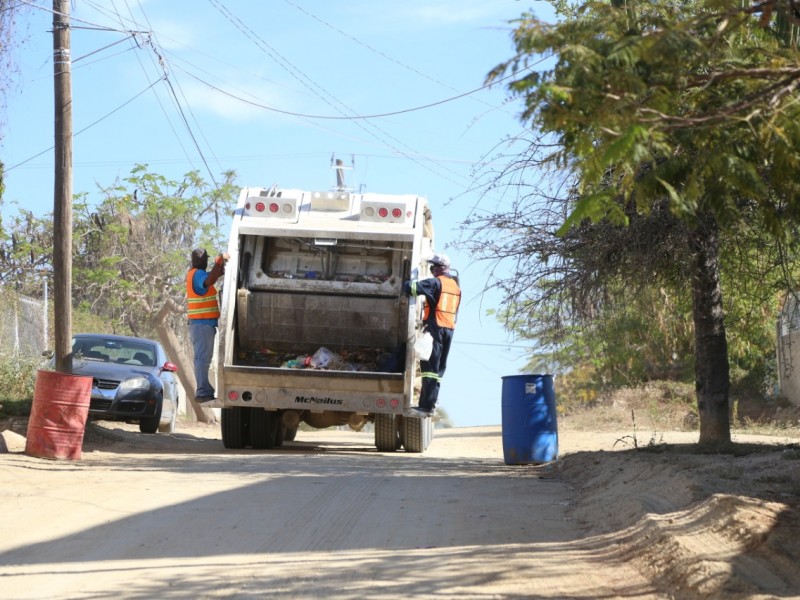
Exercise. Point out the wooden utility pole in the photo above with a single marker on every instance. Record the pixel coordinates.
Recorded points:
(62, 197)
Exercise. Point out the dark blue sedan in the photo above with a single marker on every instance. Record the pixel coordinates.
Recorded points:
(132, 380)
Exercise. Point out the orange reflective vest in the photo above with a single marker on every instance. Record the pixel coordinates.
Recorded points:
(201, 307)
(447, 306)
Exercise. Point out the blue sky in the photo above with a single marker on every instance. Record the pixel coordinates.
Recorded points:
(246, 85)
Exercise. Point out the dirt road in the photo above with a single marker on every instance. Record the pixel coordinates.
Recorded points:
(176, 516)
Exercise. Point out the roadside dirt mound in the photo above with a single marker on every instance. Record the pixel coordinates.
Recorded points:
(698, 525)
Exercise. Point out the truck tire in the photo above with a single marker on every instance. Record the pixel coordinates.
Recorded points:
(263, 428)
(387, 436)
(417, 433)
(235, 423)
(289, 434)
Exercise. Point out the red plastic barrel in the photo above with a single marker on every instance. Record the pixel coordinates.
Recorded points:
(58, 415)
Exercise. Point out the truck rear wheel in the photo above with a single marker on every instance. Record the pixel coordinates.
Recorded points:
(387, 436)
(263, 428)
(235, 423)
(417, 433)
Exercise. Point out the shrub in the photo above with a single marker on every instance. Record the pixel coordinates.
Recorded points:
(17, 380)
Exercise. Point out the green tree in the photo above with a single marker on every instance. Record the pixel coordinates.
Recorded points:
(676, 118)
(26, 250)
(132, 248)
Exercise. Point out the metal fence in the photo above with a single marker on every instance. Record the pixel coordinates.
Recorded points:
(23, 325)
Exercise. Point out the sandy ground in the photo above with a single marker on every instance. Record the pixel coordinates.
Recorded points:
(177, 516)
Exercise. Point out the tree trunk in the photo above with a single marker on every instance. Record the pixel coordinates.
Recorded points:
(711, 345)
(185, 367)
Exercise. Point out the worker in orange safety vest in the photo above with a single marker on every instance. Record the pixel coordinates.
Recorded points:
(442, 298)
(203, 309)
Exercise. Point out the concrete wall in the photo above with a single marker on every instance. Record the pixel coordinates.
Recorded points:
(788, 355)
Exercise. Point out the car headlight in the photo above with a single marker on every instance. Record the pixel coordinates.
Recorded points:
(135, 383)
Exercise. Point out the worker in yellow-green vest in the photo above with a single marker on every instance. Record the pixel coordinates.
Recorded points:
(203, 309)
(442, 298)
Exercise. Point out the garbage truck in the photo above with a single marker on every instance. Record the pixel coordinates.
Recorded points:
(314, 327)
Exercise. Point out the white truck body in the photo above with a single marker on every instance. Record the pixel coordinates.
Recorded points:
(321, 273)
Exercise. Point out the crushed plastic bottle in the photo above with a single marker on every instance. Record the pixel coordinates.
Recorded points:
(301, 362)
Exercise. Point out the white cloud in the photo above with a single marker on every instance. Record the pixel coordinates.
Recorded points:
(240, 104)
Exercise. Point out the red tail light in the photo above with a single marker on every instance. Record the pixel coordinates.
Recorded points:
(272, 207)
(385, 212)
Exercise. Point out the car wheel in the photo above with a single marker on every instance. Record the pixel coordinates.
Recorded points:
(150, 424)
(173, 422)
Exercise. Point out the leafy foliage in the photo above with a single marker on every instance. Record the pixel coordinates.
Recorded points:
(26, 248)
(132, 248)
(694, 102)
(17, 380)
(664, 154)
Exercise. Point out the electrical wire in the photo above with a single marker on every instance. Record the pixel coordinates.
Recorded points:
(376, 51)
(95, 26)
(382, 136)
(162, 60)
(12, 167)
(93, 52)
(351, 117)
(137, 45)
(323, 94)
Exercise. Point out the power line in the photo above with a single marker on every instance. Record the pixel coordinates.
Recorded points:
(12, 167)
(101, 49)
(162, 56)
(379, 53)
(249, 157)
(72, 18)
(350, 117)
(116, 14)
(323, 94)
(179, 106)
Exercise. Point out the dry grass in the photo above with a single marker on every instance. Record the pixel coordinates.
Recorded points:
(666, 406)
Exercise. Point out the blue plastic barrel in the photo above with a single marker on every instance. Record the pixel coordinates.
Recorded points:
(530, 427)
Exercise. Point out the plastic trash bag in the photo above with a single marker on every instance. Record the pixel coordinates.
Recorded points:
(423, 345)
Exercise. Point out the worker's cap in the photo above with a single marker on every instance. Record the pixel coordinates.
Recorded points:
(199, 254)
(441, 260)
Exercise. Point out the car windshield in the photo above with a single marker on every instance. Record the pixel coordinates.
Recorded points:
(128, 352)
